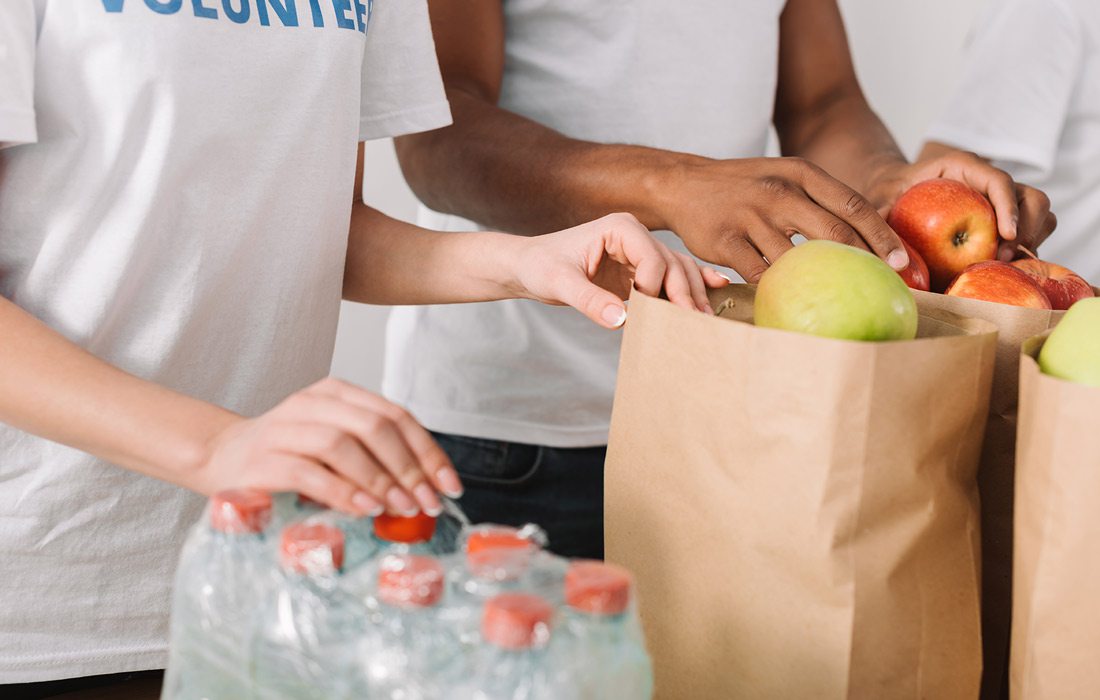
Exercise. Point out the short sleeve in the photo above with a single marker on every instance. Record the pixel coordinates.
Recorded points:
(18, 31)
(1021, 68)
(402, 89)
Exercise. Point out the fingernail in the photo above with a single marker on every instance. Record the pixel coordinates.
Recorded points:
(898, 259)
(709, 311)
(448, 479)
(366, 504)
(725, 277)
(614, 316)
(1015, 227)
(429, 502)
(400, 503)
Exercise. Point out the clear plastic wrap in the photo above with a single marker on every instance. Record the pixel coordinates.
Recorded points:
(599, 636)
(220, 580)
(512, 659)
(495, 559)
(408, 645)
(308, 637)
(270, 604)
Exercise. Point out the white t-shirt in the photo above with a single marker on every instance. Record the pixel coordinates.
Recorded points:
(1029, 99)
(181, 210)
(616, 71)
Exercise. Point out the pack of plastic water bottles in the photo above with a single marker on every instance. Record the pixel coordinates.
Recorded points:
(280, 598)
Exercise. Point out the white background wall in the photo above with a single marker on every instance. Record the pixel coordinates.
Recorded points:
(906, 53)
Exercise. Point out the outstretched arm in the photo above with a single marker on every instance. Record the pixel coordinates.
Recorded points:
(590, 266)
(822, 115)
(509, 172)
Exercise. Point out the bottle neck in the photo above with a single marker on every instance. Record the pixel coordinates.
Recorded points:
(224, 536)
(597, 624)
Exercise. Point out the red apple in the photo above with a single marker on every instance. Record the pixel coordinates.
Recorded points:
(951, 225)
(916, 275)
(1001, 283)
(1062, 286)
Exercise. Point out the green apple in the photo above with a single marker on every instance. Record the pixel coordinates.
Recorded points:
(836, 291)
(1072, 351)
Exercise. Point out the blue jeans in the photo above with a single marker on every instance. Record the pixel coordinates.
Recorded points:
(560, 490)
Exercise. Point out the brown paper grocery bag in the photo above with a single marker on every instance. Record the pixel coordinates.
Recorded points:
(801, 513)
(1056, 621)
(995, 475)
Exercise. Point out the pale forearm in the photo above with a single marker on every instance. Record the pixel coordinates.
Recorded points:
(52, 388)
(508, 172)
(393, 262)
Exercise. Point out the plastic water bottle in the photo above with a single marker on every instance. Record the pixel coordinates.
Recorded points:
(308, 637)
(220, 577)
(512, 661)
(395, 534)
(408, 647)
(360, 545)
(600, 639)
(498, 559)
(289, 506)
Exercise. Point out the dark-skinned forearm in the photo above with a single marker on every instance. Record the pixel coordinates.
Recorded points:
(508, 172)
(843, 136)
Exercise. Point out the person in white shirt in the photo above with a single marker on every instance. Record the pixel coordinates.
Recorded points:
(565, 109)
(176, 185)
(1028, 99)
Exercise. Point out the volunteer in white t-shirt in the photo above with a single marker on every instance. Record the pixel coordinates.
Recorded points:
(176, 185)
(542, 91)
(1029, 100)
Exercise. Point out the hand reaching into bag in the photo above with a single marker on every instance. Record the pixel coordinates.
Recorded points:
(591, 267)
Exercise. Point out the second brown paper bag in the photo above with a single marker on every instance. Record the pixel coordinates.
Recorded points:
(801, 513)
(1056, 623)
(996, 473)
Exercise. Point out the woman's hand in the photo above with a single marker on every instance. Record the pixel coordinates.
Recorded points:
(591, 267)
(339, 445)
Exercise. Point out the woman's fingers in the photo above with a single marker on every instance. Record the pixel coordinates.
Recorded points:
(341, 452)
(713, 278)
(430, 458)
(293, 472)
(599, 305)
(698, 286)
(630, 243)
(627, 242)
(678, 287)
(369, 448)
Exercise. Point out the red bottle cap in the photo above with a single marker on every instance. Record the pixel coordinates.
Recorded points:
(395, 528)
(498, 552)
(597, 588)
(240, 511)
(312, 548)
(496, 537)
(408, 581)
(516, 621)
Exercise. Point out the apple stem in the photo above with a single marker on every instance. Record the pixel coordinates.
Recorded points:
(724, 307)
(1030, 254)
